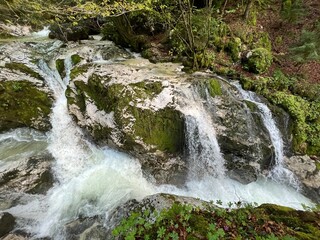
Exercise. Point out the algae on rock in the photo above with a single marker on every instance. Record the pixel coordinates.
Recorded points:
(23, 105)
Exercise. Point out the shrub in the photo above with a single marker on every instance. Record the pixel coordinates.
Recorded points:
(258, 60)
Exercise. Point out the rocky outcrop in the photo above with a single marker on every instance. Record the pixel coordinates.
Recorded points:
(308, 172)
(157, 202)
(243, 139)
(25, 100)
(30, 176)
(267, 219)
(7, 222)
(136, 116)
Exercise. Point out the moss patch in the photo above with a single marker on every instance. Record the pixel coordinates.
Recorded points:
(23, 105)
(214, 87)
(75, 59)
(61, 67)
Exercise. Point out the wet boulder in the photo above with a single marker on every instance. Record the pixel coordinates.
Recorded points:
(308, 172)
(86, 229)
(243, 139)
(30, 176)
(135, 116)
(7, 222)
(25, 101)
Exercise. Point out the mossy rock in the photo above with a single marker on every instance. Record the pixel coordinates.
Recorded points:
(75, 59)
(303, 224)
(214, 87)
(61, 67)
(75, 72)
(258, 60)
(161, 129)
(24, 69)
(234, 48)
(23, 105)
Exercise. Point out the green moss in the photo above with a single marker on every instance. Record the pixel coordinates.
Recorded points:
(24, 69)
(75, 59)
(61, 67)
(265, 222)
(150, 88)
(75, 72)
(22, 104)
(259, 61)
(214, 87)
(234, 48)
(163, 128)
(318, 165)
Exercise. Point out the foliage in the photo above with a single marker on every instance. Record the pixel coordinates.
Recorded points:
(308, 48)
(182, 221)
(258, 61)
(292, 10)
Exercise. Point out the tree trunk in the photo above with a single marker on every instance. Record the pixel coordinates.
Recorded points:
(248, 8)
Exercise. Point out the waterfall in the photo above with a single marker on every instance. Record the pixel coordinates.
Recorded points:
(204, 156)
(278, 172)
(92, 180)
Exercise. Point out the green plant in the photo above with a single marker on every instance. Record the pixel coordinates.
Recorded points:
(308, 48)
(292, 10)
(258, 61)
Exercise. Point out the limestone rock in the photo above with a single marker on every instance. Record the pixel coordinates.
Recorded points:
(308, 173)
(137, 117)
(156, 202)
(31, 176)
(243, 139)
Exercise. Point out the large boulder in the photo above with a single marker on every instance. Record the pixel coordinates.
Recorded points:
(25, 101)
(133, 116)
(308, 172)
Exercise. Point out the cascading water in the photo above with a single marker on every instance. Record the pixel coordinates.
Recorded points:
(278, 172)
(92, 181)
(204, 156)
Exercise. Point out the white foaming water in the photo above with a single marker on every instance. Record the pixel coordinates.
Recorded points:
(204, 156)
(91, 180)
(279, 172)
(42, 33)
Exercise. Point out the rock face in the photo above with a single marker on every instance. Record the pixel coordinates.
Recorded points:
(30, 176)
(308, 172)
(7, 222)
(243, 139)
(25, 101)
